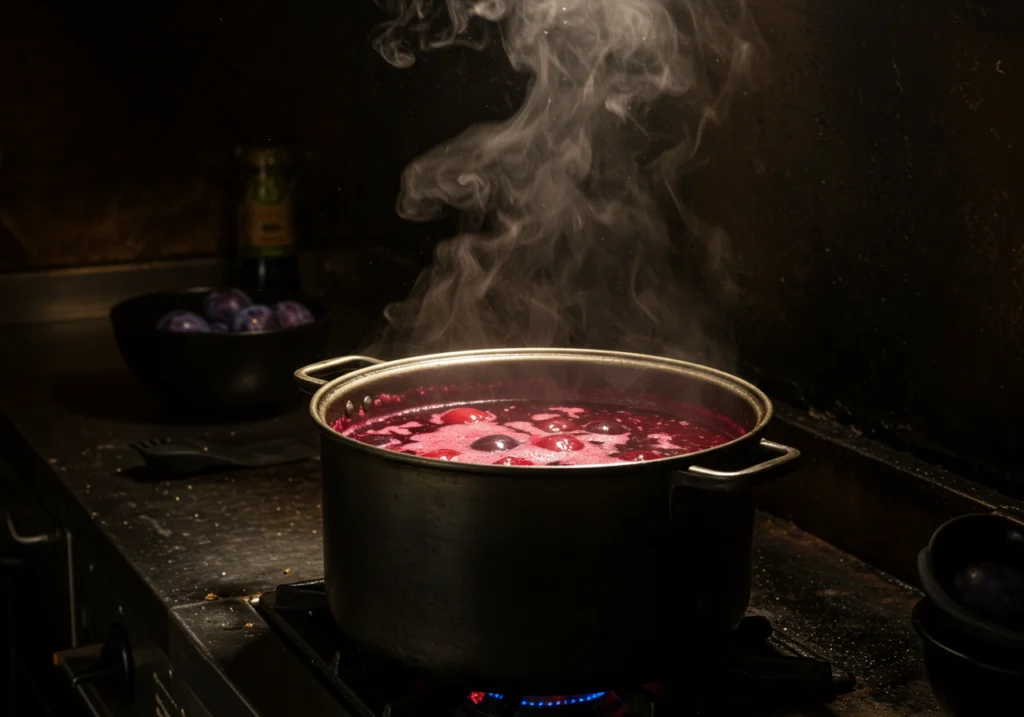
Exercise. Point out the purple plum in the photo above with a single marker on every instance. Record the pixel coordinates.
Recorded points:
(992, 588)
(221, 305)
(291, 314)
(257, 317)
(605, 428)
(181, 321)
(219, 327)
(496, 442)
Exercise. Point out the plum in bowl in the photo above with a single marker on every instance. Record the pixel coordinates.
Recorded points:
(972, 571)
(232, 356)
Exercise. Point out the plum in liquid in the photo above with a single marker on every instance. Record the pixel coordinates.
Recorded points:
(535, 433)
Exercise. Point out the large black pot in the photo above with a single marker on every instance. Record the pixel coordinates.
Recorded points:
(545, 580)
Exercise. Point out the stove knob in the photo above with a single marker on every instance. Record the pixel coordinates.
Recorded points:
(111, 670)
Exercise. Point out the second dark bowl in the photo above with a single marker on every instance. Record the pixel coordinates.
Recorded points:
(958, 544)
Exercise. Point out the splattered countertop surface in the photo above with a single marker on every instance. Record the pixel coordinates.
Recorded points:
(188, 550)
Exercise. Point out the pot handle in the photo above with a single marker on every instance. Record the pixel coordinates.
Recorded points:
(308, 377)
(743, 479)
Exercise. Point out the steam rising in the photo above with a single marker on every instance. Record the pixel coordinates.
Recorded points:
(565, 238)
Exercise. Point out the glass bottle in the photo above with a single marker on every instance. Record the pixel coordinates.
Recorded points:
(266, 262)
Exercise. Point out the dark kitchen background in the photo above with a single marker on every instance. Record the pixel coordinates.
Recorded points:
(870, 190)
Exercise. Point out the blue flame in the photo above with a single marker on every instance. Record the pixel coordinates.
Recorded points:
(537, 702)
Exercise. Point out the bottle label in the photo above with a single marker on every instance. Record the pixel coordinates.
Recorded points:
(265, 215)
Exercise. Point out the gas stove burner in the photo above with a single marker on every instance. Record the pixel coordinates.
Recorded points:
(758, 670)
(538, 703)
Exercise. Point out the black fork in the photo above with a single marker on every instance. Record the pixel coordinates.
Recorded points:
(182, 457)
(141, 446)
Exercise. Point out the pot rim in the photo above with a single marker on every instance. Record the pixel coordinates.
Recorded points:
(319, 401)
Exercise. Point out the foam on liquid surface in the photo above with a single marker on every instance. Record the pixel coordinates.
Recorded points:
(534, 433)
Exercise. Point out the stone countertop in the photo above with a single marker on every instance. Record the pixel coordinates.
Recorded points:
(72, 410)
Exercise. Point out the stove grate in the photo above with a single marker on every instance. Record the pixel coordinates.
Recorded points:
(760, 670)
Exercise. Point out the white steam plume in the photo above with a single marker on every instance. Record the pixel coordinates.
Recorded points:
(566, 241)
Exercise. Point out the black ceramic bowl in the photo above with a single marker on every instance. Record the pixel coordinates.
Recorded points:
(961, 543)
(968, 679)
(216, 373)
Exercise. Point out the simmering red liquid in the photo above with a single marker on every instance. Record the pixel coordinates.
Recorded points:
(534, 433)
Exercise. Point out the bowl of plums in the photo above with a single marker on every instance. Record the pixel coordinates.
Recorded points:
(219, 350)
(971, 620)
